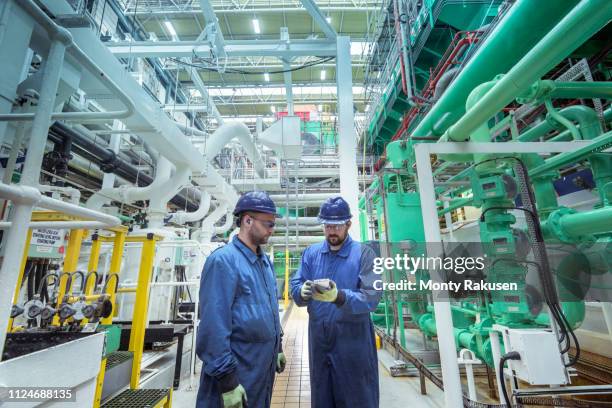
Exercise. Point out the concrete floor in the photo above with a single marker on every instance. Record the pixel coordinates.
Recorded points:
(292, 387)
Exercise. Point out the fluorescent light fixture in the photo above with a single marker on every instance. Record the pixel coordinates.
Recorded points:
(322, 75)
(273, 108)
(256, 26)
(170, 28)
(328, 19)
(266, 77)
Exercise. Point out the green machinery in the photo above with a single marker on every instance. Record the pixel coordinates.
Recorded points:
(472, 110)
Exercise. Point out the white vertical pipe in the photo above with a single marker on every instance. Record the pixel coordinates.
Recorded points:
(13, 252)
(453, 394)
(108, 181)
(606, 308)
(469, 372)
(496, 353)
(347, 136)
(40, 127)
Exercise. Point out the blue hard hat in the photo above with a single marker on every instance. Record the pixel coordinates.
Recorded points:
(335, 210)
(256, 201)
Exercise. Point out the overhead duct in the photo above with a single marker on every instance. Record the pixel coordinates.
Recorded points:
(283, 136)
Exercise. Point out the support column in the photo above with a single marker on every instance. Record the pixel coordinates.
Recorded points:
(453, 394)
(347, 136)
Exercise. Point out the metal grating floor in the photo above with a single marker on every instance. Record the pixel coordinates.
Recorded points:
(142, 398)
(117, 358)
(292, 387)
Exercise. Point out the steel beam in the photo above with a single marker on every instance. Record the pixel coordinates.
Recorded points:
(319, 19)
(347, 136)
(213, 29)
(238, 48)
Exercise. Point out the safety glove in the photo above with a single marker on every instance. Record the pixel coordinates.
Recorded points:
(329, 295)
(235, 398)
(306, 290)
(281, 361)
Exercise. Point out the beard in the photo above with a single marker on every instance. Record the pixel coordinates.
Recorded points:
(259, 239)
(335, 240)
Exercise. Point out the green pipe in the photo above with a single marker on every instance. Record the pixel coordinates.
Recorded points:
(581, 113)
(587, 222)
(582, 89)
(555, 115)
(597, 145)
(456, 203)
(519, 31)
(586, 19)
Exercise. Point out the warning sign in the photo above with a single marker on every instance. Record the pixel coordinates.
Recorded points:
(48, 237)
(47, 243)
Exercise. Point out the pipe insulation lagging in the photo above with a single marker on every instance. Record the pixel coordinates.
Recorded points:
(235, 130)
(182, 217)
(110, 162)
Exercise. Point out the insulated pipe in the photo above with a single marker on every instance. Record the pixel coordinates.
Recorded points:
(60, 224)
(586, 19)
(78, 211)
(159, 197)
(303, 240)
(36, 148)
(228, 131)
(163, 173)
(104, 156)
(304, 199)
(229, 222)
(84, 60)
(182, 217)
(208, 225)
(301, 228)
(300, 220)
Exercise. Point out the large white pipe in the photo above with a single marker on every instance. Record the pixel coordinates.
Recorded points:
(181, 217)
(300, 220)
(163, 173)
(303, 199)
(302, 240)
(227, 225)
(208, 225)
(85, 61)
(301, 228)
(60, 224)
(235, 130)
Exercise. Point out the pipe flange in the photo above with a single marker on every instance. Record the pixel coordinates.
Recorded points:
(536, 92)
(554, 223)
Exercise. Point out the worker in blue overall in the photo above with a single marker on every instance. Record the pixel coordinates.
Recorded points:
(341, 344)
(239, 336)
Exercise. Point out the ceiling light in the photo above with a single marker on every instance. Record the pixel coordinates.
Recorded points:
(256, 26)
(170, 28)
(328, 19)
(322, 75)
(266, 77)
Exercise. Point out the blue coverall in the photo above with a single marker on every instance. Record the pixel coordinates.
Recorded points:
(239, 331)
(342, 347)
